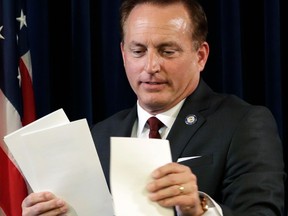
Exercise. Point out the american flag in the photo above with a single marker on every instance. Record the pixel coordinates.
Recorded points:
(17, 105)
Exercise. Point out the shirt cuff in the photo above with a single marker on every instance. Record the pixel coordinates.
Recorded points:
(213, 210)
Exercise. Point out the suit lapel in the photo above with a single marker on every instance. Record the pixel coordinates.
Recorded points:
(182, 131)
(127, 123)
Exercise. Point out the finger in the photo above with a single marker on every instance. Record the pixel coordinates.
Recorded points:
(44, 203)
(179, 179)
(174, 190)
(164, 182)
(50, 208)
(183, 200)
(166, 193)
(55, 212)
(35, 198)
(168, 169)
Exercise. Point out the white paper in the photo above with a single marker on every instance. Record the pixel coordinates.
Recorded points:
(14, 140)
(132, 162)
(62, 159)
(53, 119)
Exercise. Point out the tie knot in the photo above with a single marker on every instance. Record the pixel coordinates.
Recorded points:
(154, 124)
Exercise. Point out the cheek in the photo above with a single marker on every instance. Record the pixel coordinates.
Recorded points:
(132, 70)
(133, 66)
(183, 73)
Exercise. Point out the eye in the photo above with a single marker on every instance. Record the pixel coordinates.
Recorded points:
(168, 52)
(137, 52)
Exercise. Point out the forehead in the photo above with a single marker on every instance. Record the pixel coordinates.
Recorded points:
(161, 19)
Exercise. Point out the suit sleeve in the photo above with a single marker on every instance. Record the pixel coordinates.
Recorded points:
(254, 179)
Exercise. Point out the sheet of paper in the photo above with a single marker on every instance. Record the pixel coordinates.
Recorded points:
(132, 162)
(62, 159)
(14, 140)
(55, 118)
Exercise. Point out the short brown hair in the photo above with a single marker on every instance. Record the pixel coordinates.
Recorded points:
(197, 15)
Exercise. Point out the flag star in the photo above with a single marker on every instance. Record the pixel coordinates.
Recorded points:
(1, 36)
(22, 19)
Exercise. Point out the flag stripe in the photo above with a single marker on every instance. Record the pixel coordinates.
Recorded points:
(12, 187)
(29, 113)
(16, 78)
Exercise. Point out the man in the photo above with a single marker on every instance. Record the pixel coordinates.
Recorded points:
(239, 166)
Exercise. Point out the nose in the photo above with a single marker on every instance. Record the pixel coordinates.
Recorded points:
(152, 64)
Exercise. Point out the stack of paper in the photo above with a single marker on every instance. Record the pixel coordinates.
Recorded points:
(59, 156)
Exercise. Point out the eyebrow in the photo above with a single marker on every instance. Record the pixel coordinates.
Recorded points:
(134, 43)
(165, 44)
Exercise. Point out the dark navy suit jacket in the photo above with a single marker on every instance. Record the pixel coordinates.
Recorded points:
(241, 165)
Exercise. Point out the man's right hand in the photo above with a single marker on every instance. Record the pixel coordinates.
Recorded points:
(44, 204)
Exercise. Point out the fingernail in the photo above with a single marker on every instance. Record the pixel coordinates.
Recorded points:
(60, 202)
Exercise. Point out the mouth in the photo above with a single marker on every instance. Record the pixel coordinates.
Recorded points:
(153, 86)
(153, 83)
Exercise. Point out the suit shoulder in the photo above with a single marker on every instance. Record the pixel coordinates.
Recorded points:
(235, 102)
(116, 118)
(234, 105)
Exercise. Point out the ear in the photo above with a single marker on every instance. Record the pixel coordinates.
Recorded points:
(122, 51)
(203, 53)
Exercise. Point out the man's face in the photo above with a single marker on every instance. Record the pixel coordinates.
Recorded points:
(159, 56)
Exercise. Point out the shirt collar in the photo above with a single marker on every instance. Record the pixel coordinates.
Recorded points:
(167, 118)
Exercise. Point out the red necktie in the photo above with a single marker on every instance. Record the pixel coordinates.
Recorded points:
(155, 124)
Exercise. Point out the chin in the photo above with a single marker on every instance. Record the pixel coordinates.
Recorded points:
(154, 106)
